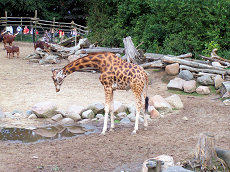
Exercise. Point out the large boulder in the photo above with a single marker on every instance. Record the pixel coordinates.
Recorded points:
(205, 80)
(119, 107)
(186, 75)
(189, 86)
(203, 90)
(218, 81)
(172, 69)
(175, 101)
(176, 84)
(74, 112)
(45, 109)
(88, 114)
(160, 104)
(97, 108)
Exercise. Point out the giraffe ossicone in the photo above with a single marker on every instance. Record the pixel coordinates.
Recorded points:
(116, 74)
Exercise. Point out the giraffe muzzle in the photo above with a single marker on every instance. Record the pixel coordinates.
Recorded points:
(57, 89)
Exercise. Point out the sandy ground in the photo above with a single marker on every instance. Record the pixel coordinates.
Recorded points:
(23, 84)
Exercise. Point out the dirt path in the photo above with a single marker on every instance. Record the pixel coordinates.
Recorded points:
(22, 84)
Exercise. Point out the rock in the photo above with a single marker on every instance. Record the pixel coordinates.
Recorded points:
(224, 155)
(218, 81)
(66, 121)
(50, 59)
(227, 102)
(73, 57)
(189, 86)
(226, 95)
(84, 121)
(119, 107)
(98, 116)
(203, 90)
(205, 80)
(9, 115)
(175, 101)
(132, 117)
(185, 118)
(88, 114)
(186, 75)
(44, 109)
(29, 112)
(32, 116)
(167, 160)
(160, 104)
(57, 117)
(16, 111)
(97, 108)
(125, 120)
(19, 115)
(121, 115)
(176, 84)
(153, 112)
(225, 87)
(74, 112)
(172, 69)
(132, 108)
(176, 169)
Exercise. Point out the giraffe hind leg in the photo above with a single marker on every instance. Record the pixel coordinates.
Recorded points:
(112, 113)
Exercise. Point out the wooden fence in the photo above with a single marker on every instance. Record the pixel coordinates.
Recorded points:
(41, 25)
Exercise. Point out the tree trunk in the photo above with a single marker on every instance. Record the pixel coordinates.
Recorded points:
(131, 52)
(99, 50)
(224, 88)
(205, 158)
(191, 69)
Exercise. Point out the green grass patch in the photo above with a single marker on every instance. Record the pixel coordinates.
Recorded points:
(116, 121)
(183, 93)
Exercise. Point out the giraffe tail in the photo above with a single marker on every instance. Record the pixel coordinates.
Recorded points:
(146, 104)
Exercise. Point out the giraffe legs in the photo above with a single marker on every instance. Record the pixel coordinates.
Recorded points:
(112, 113)
(138, 109)
(108, 98)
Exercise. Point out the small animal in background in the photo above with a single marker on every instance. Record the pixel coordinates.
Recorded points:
(10, 50)
(41, 44)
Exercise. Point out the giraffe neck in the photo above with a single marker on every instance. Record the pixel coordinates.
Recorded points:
(94, 60)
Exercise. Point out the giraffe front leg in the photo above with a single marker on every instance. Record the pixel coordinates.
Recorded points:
(108, 95)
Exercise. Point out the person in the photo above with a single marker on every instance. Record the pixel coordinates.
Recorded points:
(19, 29)
(26, 30)
(74, 32)
(9, 30)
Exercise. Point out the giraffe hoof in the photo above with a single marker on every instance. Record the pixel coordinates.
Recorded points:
(134, 132)
(102, 134)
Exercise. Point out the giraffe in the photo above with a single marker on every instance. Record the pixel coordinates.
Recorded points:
(116, 74)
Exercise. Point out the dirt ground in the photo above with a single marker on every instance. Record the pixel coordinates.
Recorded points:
(23, 84)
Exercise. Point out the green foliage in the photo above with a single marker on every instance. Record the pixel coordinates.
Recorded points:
(166, 26)
(209, 47)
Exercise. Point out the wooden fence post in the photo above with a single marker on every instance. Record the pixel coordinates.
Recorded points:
(6, 17)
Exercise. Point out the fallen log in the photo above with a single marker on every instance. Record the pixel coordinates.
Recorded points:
(153, 64)
(221, 72)
(189, 63)
(153, 56)
(215, 60)
(225, 87)
(100, 49)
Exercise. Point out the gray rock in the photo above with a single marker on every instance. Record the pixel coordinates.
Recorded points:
(97, 108)
(132, 108)
(57, 117)
(119, 107)
(32, 116)
(176, 169)
(186, 75)
(84, 121)
(125, 120)
(98, 116)
(44, 109)
(74, 112)
(9, 115)
(175, 101)
(226, 102)
(16, 111)
(205, 80)
(66, 121)
(121, 115)
(224, 155)
(29, 112)
(176, 84)
(88, 114)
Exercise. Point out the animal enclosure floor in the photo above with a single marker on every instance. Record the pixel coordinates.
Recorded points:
(23, 84)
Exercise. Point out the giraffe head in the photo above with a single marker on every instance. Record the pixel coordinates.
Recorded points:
(58, 78)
